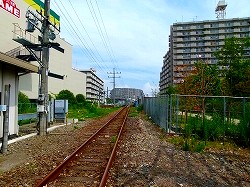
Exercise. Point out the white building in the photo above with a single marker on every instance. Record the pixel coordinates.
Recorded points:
(13, 24)
(94, 86)
(59, 63)
(190, 42)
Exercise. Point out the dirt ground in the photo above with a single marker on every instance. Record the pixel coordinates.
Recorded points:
(144, 158)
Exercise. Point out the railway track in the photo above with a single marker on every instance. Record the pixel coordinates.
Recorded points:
(90, 163)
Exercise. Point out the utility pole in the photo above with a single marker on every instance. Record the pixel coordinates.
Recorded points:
(43, 92)
(47, 31)
(6, 119)
(114, 77)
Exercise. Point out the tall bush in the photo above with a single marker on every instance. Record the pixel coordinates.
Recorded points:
(66, 94)
(80, 99)
(24, 105)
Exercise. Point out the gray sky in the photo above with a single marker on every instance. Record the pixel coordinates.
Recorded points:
(130, 35)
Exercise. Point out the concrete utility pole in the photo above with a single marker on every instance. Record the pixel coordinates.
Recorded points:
(43, 92)
(6, 119)
(114, 77)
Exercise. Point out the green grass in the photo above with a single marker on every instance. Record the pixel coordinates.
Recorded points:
(26, 121)
(135, 111)
(187, 144)
(193, 144)
(113, 139)
(83, 113)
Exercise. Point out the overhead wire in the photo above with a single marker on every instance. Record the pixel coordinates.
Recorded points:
(87, 33)
(82, 41)
(110, 51)
(87, 50)
(93, 14)
(86, 45)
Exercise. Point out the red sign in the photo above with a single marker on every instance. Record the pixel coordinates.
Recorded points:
(10, 7)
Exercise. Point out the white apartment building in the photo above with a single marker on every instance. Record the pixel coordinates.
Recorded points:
(190, 42)
(22, 75)
(94, 86)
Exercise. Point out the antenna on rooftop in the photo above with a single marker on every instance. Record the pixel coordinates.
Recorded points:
(220, 9)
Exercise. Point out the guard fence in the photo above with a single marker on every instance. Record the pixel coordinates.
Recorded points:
(205, 117)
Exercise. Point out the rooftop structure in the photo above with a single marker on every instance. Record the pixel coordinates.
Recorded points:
(220, 9)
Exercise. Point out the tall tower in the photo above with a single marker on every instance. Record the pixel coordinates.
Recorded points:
(220, 9)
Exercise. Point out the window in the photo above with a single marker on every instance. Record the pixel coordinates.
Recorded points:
(243, 35)
(200, 43)
(228, 24)
(186, 38)
(214, 31)
(229, 36)
(214, 25)
(199, 26)
(243, 23)
(244, 29)
(214, 37)
(186, 33)
(186, 50)
(187, 44)
(185, 27)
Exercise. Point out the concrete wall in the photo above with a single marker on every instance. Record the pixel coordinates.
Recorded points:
(8, 76)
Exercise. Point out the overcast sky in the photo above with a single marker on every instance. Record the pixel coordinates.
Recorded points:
(130, 35)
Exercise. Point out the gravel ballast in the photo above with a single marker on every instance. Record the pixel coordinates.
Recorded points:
(143, 159)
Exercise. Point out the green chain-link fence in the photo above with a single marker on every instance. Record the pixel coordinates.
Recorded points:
(206, 117)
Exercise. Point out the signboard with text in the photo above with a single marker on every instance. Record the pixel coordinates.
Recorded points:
(38, 5)
(11, 7)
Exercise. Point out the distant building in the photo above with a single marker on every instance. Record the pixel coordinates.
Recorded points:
(190, 42)
(126, 94)
(94, 86)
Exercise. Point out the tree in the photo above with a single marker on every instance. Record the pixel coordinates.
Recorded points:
(171, 90)
(203, 80)
(80, 99)
(235, 66)
(24, 104)
(22, 98)
(66, 94)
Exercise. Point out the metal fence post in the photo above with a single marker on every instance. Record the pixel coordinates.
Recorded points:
(170, 114)
(224, 117)
(167, 101)
(177, 113)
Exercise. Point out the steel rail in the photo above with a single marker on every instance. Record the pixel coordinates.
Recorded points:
(112, 156)
(56, 171)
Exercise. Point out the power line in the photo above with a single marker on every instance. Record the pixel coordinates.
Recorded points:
(82, 41)
(114, 77)
(87, 33)
(111, 49)
(87, 50)
(93, 14)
